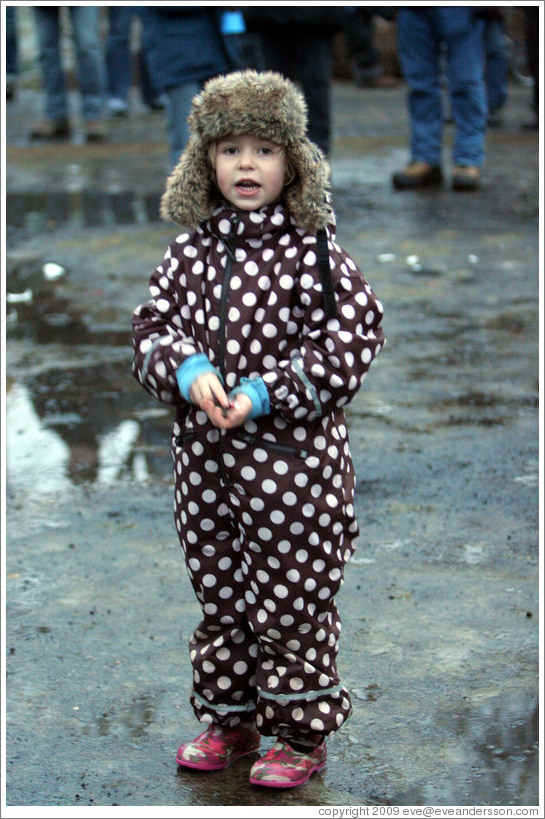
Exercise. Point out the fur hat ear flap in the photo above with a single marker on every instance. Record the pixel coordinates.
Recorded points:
(307, 198)
(189, 190)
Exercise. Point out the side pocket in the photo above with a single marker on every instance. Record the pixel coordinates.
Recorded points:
(188, 435)
(272, 446)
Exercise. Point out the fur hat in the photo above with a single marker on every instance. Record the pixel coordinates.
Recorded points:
(248, 102)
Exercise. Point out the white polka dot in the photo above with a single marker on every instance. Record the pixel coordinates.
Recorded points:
(269, 330)
(286, 282)
(281, 467)
(317, 725)
(209, 580)
(251, 268)
(162, 305)
(269, 486)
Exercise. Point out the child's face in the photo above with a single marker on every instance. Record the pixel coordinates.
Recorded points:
(250, 170)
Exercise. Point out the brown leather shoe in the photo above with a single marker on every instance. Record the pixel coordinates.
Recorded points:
(51, 129)
(465, 178)
(417, 174)
(94, 131)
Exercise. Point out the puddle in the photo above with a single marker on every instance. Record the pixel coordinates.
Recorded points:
(130, 720)
(502, 762)
(87, 425)
(39, 312)
(42, 211)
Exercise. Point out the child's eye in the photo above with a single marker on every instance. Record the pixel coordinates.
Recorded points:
(230, 150)
(266, 151)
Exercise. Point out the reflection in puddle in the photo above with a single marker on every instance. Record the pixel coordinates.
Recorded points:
(41, 211)
(129, 720)
(502, 765)
(69, 427)
(33, 452)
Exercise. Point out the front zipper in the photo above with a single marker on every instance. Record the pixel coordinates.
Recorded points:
(229, 243)
(264, 443)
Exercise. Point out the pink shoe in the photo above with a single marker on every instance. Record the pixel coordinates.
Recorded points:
(283, 767)
(217, 747)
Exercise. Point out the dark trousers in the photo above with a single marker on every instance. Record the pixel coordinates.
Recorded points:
(531, 19)
(359, 34)
(12, 51)
(305, 57)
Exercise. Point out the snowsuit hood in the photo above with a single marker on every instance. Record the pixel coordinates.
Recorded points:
(265, 104)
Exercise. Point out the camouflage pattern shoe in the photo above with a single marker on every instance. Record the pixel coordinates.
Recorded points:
(217, 747)
(284, 767)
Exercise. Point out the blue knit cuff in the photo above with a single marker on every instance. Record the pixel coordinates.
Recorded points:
(258, 394)
(192, 367)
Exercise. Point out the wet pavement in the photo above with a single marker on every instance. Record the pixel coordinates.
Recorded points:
(440, 607)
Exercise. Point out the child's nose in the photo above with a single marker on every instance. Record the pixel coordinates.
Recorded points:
(246, 159)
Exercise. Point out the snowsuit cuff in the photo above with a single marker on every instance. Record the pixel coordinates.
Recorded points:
(187, 372)
(258, 394)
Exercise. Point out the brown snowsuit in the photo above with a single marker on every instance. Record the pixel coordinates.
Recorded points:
(265, 512)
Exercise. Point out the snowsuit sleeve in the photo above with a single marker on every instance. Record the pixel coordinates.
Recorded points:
(329, 365)
(161, 343)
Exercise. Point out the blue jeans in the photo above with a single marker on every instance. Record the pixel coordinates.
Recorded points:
(12, 45)
(496, 63)
(119, 57)
(421, 33)
(118, 52)
(90, 61)
(179, 101)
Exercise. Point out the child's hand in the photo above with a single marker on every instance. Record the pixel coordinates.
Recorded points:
(238, 411)
(241, 407)
(207, 389)
(207, 393)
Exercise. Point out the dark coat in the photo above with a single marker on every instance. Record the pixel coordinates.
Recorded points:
(185, 44)
(327, 18)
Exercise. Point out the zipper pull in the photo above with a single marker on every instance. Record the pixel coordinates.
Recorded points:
(230, 240)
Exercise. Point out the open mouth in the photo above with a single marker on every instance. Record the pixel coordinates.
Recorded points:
(247, 185)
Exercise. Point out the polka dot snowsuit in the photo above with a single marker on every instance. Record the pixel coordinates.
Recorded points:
(265, 512)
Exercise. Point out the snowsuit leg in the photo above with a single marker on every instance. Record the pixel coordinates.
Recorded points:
(265, 550)
(297, 532)
(223, 649)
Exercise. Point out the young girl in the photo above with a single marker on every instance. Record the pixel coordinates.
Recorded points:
(236, 336)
